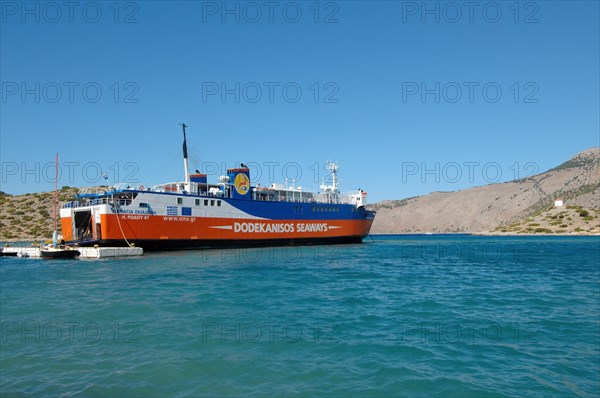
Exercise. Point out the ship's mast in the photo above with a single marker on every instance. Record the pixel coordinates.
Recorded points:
(185, 161)
(331, 191)
(333, 169)
(55, 233)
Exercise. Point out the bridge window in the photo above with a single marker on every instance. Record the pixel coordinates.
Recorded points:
(205, 202)
(197, 202)
(179, 201)
(218, 203)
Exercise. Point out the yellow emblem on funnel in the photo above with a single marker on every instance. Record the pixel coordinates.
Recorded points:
(241, 183)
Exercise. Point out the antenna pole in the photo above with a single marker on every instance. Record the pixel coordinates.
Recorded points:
(185, 160)
(54, 234)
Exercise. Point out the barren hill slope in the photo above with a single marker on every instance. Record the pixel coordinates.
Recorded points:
(483, 209)
(30, 216)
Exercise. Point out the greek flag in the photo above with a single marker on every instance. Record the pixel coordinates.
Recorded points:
(172, 211)
(184, 143)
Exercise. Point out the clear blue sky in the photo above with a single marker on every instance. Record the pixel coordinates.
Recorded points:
(361, 68)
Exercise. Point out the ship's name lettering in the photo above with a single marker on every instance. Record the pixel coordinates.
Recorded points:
(135, 217)
(312, 227)
(259, 227)
(126, 211)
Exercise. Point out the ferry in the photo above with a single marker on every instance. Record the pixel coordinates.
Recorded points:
(230, 212)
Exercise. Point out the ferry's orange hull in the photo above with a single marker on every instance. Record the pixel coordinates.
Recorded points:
(202, 231)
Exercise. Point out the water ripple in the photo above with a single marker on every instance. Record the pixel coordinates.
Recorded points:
(404, 316)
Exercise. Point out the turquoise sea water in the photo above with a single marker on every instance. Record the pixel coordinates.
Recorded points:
(396, 316)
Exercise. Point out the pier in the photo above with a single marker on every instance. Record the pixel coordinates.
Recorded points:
(86, 252)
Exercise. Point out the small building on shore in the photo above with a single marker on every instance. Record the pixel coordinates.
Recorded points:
(558, 202)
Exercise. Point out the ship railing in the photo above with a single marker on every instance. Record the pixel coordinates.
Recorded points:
(71, 204)
(93, 190)
(316, 198)
(169, 187)
(98, 202)
(346, 197)
(335, 198)
(126, 186)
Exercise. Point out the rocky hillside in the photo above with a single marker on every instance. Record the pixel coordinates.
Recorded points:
(498, 206)
(30, 216)
(557, 220)
(521, 206)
